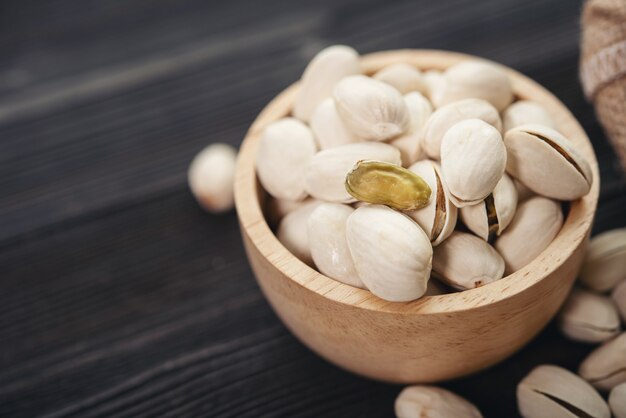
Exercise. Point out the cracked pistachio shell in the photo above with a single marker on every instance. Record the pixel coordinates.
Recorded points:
(589, 317)
(370, 109)
(319, 78)
(535, 224)
(422, 401)
(605, 367)
(605, 262)
(211, 176)
(447, 116)
(473, 159)
(617, 401)
(477, 79)
(553, 392)
(465, 261)
(328, 128)
(524, 112)
(619, 298)
(285, 150)
(435, 82)
(438, 218)
(410, 144)
(403, 77)
(293, 234)
(490, 217)
(547, 163)
(329, 247)
(326, 172)
(391, 253)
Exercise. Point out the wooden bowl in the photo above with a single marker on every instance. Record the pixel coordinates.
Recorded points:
(433, 338)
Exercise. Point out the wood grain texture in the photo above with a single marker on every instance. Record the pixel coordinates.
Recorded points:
(118, 295)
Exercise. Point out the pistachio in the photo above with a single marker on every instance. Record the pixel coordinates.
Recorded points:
(328, 67)
(410, 144)
(327, 240)
(477, 79)
(605, 367)
(292, 231)
(490, 217)
(430, 401)
(617, 401)
(445, 117)
(553, 392)
(589, 317)
(535, 224)
(211, 176)
(438, 218)
(523, 192)
(404, 77)
(524, 112)
(370, 109)
(435, 82)
(277, 209)
(387, 184)
(327, 170)
(465, 261)
(619, 298)
(391, 253)
(283, 177)
(328, 128)
(605, 262)
(547, 163)
(473, 159)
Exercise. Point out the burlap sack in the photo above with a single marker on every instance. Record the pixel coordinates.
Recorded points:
(603, 66)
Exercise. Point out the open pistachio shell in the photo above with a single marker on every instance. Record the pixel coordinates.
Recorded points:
(605, 262)
(605, 367)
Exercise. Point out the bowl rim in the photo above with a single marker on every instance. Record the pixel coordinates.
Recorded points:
(576, 226)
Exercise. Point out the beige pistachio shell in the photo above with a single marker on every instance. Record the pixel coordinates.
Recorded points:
(445, 117)
(329, 247)
(422, 401)
(435, 82)
(403, 77)
(535, 224)
(589, 317)
(328, 128)
(477, 79)
(524, 112)
(465, 261)
(473, 159)
(617, 401)
(605, 367)
(547, 163)
(523, 192)
(370, 109)
(285, 150)
(326, 172)
(391, 253)
(490, 217)
(438, 218)
(410, 144)
(324, 71)
(293, 234)
(552, 392)
(211, 176)
(605, 262)
(619, 298)
(277, 209)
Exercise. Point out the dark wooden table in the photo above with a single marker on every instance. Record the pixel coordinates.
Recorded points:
(118, 295)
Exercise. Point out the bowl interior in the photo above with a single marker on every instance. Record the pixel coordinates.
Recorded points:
(250, 199)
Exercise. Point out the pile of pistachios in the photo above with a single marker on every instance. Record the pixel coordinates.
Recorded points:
(383, 181)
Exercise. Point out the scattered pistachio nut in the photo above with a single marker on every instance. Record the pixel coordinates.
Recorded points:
(370, 109)
(476, 79)
(283, 177)
(319, 78)
(605, 367)
(473, 158)
(605, 261)
(438, 218)
(447, 116)
(617, 401)
(619, 298)
(422, 401)
(524, 112)
(589, 317)
(293, 234)
(326, 172)
(547, 163)
(391, 253)
(327, 126)
(327, 241)
(552, 392)
(410, 144)
(403, 77)
(465, 261)
(387, 184)
(211, 176)
(535, 224)
(490, 217)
